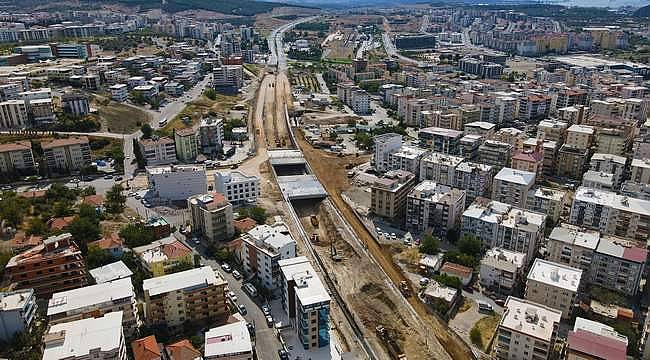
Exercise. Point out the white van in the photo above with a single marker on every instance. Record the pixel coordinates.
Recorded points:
(250, 289)
(162, 122)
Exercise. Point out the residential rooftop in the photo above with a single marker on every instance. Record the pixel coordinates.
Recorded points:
(309, 288)
(229, 339)
(574, 235)
(515, 176)
(76, 339)
(113, 271)
(554, 274)
(15, 300)
(610, 199)
(71, 300)
(530, 318)
(187, 279)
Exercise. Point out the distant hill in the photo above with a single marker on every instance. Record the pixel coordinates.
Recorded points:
(643, 12)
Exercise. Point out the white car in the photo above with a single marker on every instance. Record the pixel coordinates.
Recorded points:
(232, 296)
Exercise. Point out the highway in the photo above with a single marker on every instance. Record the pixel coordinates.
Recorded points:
(274, 39)
(392, 51)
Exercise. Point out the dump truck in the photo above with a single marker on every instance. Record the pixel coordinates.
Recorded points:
(314, 220)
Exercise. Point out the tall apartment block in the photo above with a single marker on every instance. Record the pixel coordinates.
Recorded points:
(434, 208)
(67, 154)
(262, 248)
(554, 285)
(212, 217)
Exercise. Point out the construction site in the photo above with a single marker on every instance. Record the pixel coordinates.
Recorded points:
(374, 308)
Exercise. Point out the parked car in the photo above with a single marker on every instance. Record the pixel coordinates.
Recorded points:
(250, 289)
(242, 309)
(226, 267)
(283, 355)
(424, 281)
(484, 307)
(266, 311)
(232, 296)
(236, 275)
(269, 321)
(108, 177)
(251, 328)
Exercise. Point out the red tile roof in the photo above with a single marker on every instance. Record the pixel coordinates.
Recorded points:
(64, 142)
(32, 194)
(108, 242)
(94, 200)
(456, 269)
(599, 346)
(146, 348)
(16, 146)
(635, 254)
(182, 350)
(22, 240)
(60, 223)
(175, 250)
(244, 224)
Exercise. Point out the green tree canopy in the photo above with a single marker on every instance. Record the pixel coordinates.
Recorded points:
(136, 234)
(147, 131)
(115, 200)
(97, 257)
(430, 245)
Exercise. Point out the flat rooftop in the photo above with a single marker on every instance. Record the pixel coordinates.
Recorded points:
(79, 298)
(613, 200)
(309, 288)
(574, 235)
(15, 300)
(286, 157)
(76, 339)
(228, 340)
(520, 177)
(187, 279)
(297, 187)
(113, 271)
(530, 318)
(554, 274)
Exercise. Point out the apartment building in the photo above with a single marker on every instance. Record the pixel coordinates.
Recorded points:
(54, 265)
(227, 76)
(495, 153)
(119, 92)
(580, 136)
(550, 151)
(569, 97)
(385, 144)
(613, 141)
(527, 331)
(239, 188)
(389, 193)
(474, 178)
(611, 214)
(99, 338)
(75, 104)
(595, 341)
(512, 186)
(640, 171)
(262, 248)
(212, 217)
(611, 164)
(186, 144)
(552, 130)
(211, 135)
(64, 155)
(512, 136)
(16, 157)
(547, 201)
(501, 270)
(501, 225)
(228, 342)
(407, 158)
(176, 182)
(446, 141)
(17, 311)
(360, 102)
(306, 301)
(13, 114)
(618, 265)
(534, 107)
(163, 256)
(434, 208)
(439, 167)
(96, 301)
(158, 151)
(554, 285)
(573, 246)
(481, 128)
(531, 160)
(571, 161)
(598, 180)
(193, 296)
(469, 146)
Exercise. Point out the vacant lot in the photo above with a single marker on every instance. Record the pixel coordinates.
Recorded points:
(197, 109)
(120, 118)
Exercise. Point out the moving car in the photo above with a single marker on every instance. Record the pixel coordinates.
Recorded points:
(236, 275)
(266, 311)
(269, 321)
(226, 267)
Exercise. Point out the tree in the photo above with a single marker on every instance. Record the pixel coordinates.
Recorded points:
(88, 212)
(115, 200)
(470, 245)
(88, 190)
(147, 131)
(84, 230)
(457, 257)
(451, 281)
(430, 245)
(97, 257)
(256, 213)
(210, 93)
(136, 234)
(36, 226)
(475, 336)
(12, 208)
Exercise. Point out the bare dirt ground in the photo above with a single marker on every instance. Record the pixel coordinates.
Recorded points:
(328, 118)
(330, 170)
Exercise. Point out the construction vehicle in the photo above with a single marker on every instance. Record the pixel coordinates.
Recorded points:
(392, 346)
(314, 238)
(404, 288)
(314, 220)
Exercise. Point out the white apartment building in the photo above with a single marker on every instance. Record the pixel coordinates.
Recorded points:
(481, 128)
(580, 136)
(239, 188)
(611, 214)
(13, 114)
(407, 158)
(158, 151)
(641, 171)
(434, 208)
(474, 178)
(598, 180)
(95, 301)
(527, 331)
(119, 92)
(360, 102)
(176, 182)
(501, 269)
(262, 248)
(609, 163)
(305, 300)
(211, 135)
(93, 338)
(439, 167)
(618, 265)
(228, 342)
(554, 285)
(17, 311)
(501, 225)
(385, 144)
(572, 245)
(547, 201)
(552, 130)
(511, 186)
(16, 156)
(211, 216)
(228, 76)
(66, 154)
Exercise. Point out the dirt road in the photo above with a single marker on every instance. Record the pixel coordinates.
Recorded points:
(331, 172)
